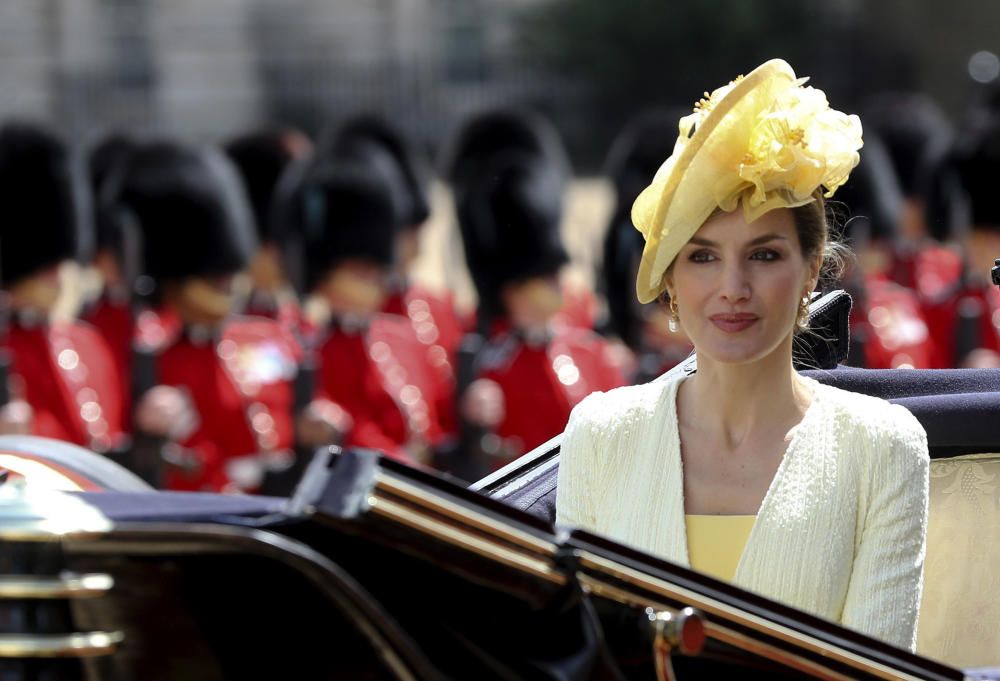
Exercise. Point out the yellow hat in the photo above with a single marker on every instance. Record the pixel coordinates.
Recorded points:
(764, 141)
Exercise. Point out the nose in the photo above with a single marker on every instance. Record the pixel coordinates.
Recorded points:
(735, 284)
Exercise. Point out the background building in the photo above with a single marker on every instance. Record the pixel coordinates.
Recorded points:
(206, 68)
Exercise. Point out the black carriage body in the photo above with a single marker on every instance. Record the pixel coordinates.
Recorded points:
(376, 571)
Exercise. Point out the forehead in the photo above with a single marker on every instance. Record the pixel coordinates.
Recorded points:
(732, 227)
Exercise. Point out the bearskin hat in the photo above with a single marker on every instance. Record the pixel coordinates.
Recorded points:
(45, 194)
(912, 127)
(635, 155)
(348, 213)
(356, 138)
(262, 157)
(495, 132)
(509, 215)
(190, 208)
(976, 159)
(872, 197)
(104, 160)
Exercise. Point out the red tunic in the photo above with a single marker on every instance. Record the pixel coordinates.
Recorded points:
(930, 269)
(935, 273)
(436, 326)
(116, 324)
(379, 374)
(242, 386)
(67, 374)
(543, 381)
(943, 316)
(937, 270)
(892, 323)
(283, 308)
(433, 316)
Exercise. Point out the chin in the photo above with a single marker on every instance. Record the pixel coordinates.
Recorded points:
(738, 351)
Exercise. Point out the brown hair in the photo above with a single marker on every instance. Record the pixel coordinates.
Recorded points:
(812, 223)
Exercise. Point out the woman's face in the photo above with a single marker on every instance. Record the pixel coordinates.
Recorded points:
(737, 285)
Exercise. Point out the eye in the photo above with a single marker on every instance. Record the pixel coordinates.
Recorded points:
(765, 254)
(701, 256)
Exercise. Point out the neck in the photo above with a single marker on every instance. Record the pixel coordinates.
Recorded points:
(342, 310)
(202, 320)
(737, 400)
(117, 294)
(274, 295)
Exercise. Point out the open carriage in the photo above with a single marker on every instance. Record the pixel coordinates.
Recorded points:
(373, 570)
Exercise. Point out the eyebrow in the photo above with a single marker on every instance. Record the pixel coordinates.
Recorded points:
(764, 238)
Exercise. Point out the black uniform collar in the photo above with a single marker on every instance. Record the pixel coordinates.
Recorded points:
(261, 299)
(350, 324)
(202, 335)
(28, 318)
(536, 337)
(398, 284)
(119, 295)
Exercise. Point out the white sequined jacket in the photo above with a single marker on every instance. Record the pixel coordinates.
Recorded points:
(841, 532)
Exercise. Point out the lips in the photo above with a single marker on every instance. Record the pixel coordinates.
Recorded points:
(734, 322)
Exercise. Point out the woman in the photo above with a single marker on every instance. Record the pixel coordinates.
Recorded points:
(804, 493)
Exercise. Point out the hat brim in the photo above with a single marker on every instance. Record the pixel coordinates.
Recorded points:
(672, 208)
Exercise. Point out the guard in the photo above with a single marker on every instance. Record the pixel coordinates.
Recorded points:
(111, 312)
(223, 386)
(888, 327)
(263, 158)
(509, 202)
(62, 368)
(371, 140)
(372, 365)
(633, 160)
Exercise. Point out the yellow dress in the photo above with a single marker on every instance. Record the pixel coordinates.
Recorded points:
(715, 542)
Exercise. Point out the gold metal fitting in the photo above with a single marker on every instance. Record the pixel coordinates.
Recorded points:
(682, 631)
(89, 644)
(66, 585)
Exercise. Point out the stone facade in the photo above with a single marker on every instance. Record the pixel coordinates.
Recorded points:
(208, 68)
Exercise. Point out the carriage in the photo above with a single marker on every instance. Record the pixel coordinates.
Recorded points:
(373, 570)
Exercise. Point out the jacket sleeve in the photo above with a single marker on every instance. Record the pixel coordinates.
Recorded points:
(577, 470)
(883, 597)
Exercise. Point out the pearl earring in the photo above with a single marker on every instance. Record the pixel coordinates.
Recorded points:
(674, 322)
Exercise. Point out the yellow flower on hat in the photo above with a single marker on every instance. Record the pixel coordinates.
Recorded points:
(765, 141)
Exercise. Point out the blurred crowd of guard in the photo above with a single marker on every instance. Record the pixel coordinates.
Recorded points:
(257, 300)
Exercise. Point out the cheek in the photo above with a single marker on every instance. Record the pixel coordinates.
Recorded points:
(781, 286)
(690, 282)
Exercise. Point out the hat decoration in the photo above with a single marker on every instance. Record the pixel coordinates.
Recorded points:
(763, 141)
